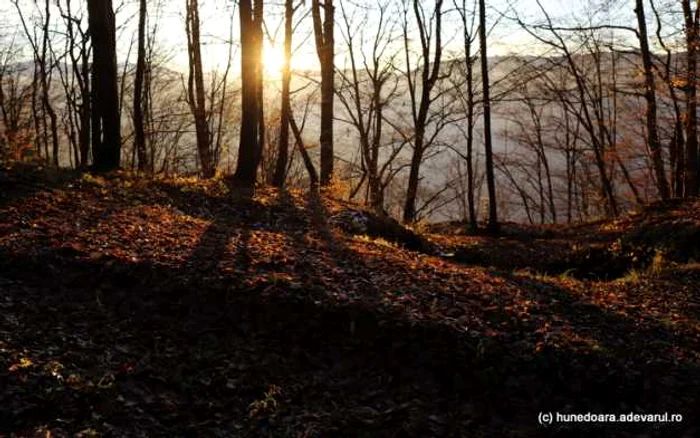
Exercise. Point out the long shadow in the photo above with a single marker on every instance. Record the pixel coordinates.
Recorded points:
(638, 363)
(288, 341)
(565, 366)
(190, 349)
(23, 181)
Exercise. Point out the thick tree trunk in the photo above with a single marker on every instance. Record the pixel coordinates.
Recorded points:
(251, 137)
(105, 95)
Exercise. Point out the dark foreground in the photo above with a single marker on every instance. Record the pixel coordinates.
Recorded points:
(177, 308)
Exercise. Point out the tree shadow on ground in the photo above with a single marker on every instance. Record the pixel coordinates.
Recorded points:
(158, 350)
(23, 181)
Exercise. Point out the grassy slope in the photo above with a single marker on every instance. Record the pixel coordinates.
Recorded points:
(178, 308)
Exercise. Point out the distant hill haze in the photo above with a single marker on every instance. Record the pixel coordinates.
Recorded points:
(514, 78)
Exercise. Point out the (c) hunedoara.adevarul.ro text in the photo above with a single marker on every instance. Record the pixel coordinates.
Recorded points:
(549, 418)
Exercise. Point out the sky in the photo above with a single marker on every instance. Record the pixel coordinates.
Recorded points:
(217, 17)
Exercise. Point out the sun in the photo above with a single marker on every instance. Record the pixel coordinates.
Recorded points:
(273, 60)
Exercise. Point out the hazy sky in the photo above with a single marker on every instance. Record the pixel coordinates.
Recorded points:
(216, 19)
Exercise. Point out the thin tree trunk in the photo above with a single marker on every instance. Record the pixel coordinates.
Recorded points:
(471, 204)
(45, 86)
(223, 101)
(139, 131)
(490, 177)
(323, 32)
(196, 90)
(650, 96)
(430, 71)
(691, 118)
(283, 147)
(308, 163)
(677, 151)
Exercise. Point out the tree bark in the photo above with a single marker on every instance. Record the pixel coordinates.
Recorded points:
(650, 97)
(106, 141)
(45, 86)
(471, 106)
(323, 31)
(195, 90)
(283, 147)
(430, 72)
(251, 138)
(691, 118)
(490, 177)
(139, 131)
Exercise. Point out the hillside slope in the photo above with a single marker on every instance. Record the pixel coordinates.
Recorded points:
(182, 308)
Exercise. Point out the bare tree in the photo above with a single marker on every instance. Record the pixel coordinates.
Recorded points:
(531, 135)
(367, 86)
(692, 36)
(466, 92)
(676, 145)
(589, 103)
(76, 80)
(139, 113)
(421, 93)
(490, 177)
(252, 123)
(15, 136)
(217, 123)
(650, 96)
(195, 89)
(325, 48)
(283, 145)
(43, 66)
(106, 129)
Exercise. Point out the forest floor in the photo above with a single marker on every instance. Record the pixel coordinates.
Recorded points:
(145, 308)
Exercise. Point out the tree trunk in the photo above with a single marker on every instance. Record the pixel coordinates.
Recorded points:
(409, 209)
(45, 86)
(691, 118)
(471, 204)
(105, 96)
(195, 90)
(310, 169)
(430, 71)
(650, 96)
(490, 177)
(86, 109)
(678, 158)
(139, 131)
(323, 31)
(250, 147)
(283, 147)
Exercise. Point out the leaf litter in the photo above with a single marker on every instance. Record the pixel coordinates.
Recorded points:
(135, 307)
